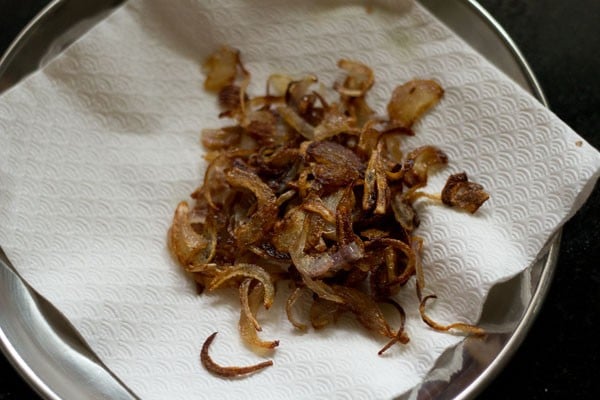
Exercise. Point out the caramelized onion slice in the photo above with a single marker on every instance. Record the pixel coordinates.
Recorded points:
(296, 90)
(383, 189)
(248, 271)
(404, 213)
(185, 243)
(316, 205)
(401, 336)
(261, 126)
(334, 164)
(376, 190)
(226, 372)
(247, 312)
(411, 255)
(266, 214)
(365, 309)
(215, 189)
(295, 121)
(416, 244)
(335, 122)
(457, 326)
(419, 162)
(248, 325)
(369, 137)
(222, 138)
(412, 99)
(230, 100)
(343, 224)
(459, 192)
(322, 290)
(286, 231)
(325, 263)
(221, 68)
(289, 306)
(359, 80)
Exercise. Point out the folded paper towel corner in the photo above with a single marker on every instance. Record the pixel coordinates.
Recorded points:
(98, 147)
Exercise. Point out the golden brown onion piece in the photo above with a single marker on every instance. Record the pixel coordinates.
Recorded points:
(419, 162)
(296, 122)
(248, 311)
(248, 325)
(401, 336)
(334, 164)
(316, 192)
(459, 192)
(266, 210)
(291, 301)
(376, 188)
(335, 122)
(246, 271)
(365, 309)
(458, 326)
(221, 139)
(227, 372)
(221, 68)
(411, 100)
(185, 243)
(359, 80)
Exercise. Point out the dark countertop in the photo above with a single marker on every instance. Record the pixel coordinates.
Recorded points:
(560, 356)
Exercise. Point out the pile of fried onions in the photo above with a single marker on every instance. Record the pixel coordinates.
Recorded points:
(316, 193)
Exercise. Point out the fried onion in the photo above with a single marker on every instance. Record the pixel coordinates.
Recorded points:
(317, 193)
(248, 325)
(227, 372)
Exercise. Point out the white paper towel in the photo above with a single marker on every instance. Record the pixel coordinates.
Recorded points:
(98, 148)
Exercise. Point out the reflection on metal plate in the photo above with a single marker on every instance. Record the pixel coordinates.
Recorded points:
(52, 357)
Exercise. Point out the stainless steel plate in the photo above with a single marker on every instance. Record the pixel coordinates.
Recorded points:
(51, 356)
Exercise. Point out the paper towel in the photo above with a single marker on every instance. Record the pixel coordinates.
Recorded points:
(98, 148)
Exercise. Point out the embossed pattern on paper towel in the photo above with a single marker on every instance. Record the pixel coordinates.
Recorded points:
(98, 148)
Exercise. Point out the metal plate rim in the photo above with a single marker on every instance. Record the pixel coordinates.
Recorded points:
(32, 25)
(502, 358)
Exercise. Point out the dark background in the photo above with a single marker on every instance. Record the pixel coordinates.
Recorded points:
(560, 357)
